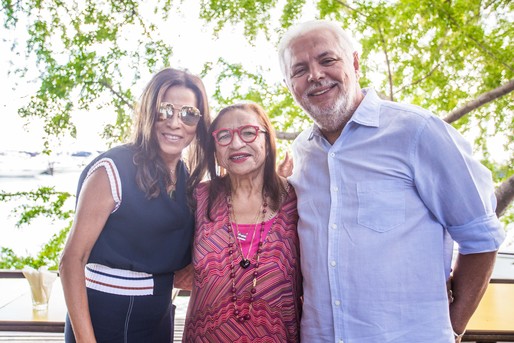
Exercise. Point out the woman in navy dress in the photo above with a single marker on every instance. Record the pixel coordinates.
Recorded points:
(133, 225)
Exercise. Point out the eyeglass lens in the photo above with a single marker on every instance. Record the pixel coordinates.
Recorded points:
(189, 115)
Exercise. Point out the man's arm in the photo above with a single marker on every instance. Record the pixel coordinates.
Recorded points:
(471, 276)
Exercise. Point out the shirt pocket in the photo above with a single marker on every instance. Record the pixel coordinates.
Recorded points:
(381, 205)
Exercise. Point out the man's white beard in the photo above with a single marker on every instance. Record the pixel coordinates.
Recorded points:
(330, 118)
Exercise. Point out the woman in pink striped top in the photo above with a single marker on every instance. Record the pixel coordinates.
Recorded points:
(247, 280)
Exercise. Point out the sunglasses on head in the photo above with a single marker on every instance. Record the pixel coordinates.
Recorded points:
(189, 115)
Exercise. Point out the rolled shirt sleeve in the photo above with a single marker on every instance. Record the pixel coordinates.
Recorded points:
(456, 187)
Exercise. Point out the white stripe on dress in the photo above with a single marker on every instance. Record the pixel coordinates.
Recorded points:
(118, 281)
(114, 178)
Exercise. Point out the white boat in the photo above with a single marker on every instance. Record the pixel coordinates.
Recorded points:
(22, 164)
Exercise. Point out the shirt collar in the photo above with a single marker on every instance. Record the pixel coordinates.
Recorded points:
(366, 113)
(315, 131)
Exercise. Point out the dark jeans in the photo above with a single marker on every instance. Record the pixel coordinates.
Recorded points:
(128, 319)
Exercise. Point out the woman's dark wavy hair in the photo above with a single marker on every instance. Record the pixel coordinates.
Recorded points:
(220, 184)
(150, 166)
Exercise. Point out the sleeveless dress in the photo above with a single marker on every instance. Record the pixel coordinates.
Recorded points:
(143, 243)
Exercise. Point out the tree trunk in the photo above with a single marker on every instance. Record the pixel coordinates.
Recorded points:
(504, 195)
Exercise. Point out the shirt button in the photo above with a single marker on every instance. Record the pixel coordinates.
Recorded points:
(337, 302)
(335, 189)
(332, 154)
(333, 226)
(341, 341)
(333, 263)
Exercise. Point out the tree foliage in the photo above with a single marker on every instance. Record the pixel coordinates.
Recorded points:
(86, 52)
(234, 83)
(43, 202)
(453, 57)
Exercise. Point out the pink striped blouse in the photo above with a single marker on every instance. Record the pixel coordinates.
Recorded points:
(274, 314)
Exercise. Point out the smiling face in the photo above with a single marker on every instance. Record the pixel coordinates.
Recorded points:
(323, 78)
(241, 159)
(172, 135)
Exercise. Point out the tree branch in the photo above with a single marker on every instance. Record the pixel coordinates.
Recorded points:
(418, 80)
(504, 195)
(117, 94)
(288, 136)
(351, 8)
(388, 63)
(481, 100)
(9, 6)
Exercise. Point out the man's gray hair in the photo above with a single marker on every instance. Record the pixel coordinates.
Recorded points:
(345, 41)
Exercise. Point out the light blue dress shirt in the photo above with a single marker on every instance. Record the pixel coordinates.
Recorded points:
(379, 211)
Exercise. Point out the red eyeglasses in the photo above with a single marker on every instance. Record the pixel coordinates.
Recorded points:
(247, 133)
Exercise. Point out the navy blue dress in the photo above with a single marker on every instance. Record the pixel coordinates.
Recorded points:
(152, 236)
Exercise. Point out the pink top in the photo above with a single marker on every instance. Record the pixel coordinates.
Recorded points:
(246, 232)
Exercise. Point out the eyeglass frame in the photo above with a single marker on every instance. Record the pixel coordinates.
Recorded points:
(238, 131)
(164, 109)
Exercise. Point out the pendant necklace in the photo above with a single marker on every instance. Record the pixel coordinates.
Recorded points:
(245, 262)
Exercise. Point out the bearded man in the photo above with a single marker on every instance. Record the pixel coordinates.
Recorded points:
(384, 190)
